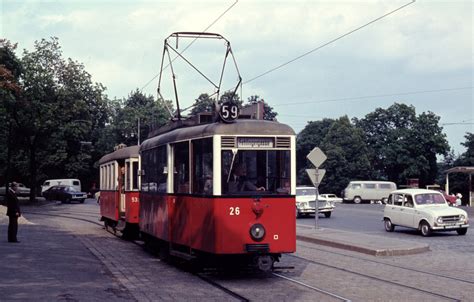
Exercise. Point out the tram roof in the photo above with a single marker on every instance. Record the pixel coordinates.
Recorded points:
(239, 127)
(127, 152)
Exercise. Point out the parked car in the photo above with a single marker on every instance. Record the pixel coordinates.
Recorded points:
(329, 197)
(359, 191)
(451, 199)
(64, 194)
(22, 190)
(306, 203)
(76, 183)
(425, 210)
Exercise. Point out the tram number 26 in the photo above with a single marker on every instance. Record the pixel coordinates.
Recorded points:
(234, 211)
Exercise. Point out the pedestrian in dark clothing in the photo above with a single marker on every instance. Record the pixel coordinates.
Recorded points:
(13, 212)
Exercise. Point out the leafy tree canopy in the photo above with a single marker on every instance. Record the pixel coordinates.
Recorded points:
(403, 145)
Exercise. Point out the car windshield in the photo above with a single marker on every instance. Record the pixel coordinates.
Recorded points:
(429, 198)
(306, 191)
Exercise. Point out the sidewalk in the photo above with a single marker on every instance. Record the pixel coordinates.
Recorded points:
(51, 264)
(368, 244)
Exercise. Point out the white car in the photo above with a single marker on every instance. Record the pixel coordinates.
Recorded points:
(306, 203)
(425, 210)
(22, 190)
(329, 197)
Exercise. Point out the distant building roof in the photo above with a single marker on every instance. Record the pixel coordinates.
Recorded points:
(460, 170)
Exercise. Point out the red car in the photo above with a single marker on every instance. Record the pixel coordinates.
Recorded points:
(451, 199)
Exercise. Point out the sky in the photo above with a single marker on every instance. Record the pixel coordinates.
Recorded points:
(419, 55)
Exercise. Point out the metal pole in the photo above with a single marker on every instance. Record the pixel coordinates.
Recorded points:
(138, 131)
(446, 187)
(470, 190)
(316, 204)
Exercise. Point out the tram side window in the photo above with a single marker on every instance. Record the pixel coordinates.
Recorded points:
(131, 176)
(127, 177)
(202, 166)
(154, 165)
(181, 168)
(134, 175)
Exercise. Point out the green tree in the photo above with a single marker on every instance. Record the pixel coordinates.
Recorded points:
(60, 107)
(467, 158)
(347, 156)
(459, 182)
(403, 145)
(138, 107)
(311, 136)
(204, 103)
(10, 71)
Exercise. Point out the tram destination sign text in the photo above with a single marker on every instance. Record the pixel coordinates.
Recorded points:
(254, 142)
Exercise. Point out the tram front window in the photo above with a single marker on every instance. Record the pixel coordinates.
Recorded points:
(255, 172)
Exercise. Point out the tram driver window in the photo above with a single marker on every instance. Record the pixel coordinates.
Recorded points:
(266, 172)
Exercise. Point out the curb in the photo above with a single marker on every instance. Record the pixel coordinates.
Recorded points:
(365, 250)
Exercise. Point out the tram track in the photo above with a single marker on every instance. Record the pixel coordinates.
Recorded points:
(221, 287)
(63, 216)
(319, 290)
(391, 265)
(234, 294)
(399, 284)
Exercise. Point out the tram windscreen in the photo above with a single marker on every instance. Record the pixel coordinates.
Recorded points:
(256, 172)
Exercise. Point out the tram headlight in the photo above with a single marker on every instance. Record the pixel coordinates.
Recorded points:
(257, 232)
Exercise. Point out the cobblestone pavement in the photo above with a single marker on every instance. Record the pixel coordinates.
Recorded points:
(66, 255)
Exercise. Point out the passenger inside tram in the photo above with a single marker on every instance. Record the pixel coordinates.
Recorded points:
(238, 181)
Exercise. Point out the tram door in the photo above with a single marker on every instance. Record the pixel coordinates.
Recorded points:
(121, 188)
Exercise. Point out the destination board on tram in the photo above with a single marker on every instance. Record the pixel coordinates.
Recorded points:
(255, 142)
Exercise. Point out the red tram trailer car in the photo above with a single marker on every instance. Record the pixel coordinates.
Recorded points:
(221, 191)
(119, 194)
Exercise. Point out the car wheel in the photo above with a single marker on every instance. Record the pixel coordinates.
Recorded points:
(67, 200)
(357, 199)
(327, 214)
(82, 200)
(384, 200)
(425, 229)
(389, 227)
(462, 231)
(297, 213)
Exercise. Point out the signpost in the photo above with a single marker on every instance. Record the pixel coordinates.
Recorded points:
(317, 158)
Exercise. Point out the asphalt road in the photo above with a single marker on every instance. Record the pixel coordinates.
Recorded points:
(367, 219)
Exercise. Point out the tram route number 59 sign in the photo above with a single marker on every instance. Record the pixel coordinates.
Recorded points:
(229, 112)
(316, 157)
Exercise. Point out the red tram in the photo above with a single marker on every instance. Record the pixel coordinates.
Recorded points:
(119, 194)
(215, 188)
(192, 203)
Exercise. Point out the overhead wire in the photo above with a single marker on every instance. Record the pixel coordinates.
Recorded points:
(327, 43)
(191, 43)
(372, 96)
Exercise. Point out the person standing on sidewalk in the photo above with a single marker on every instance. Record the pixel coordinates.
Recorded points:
(13, 212)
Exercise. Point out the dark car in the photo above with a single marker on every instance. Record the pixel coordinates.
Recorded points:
(64, 194)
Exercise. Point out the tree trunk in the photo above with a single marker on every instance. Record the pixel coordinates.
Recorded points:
(32, 145)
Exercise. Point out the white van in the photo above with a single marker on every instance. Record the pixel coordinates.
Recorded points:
(358, 191)
(76, 183)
